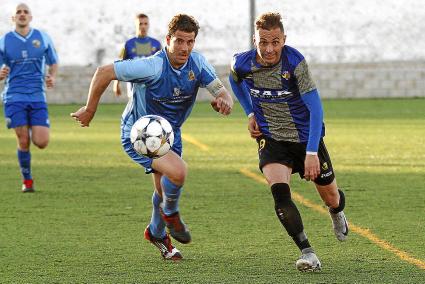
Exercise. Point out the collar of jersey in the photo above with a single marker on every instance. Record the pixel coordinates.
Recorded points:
(257, 64)
(178, 71)
(24, 39)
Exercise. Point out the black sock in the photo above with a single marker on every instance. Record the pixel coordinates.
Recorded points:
(341, 205)
(288, 214)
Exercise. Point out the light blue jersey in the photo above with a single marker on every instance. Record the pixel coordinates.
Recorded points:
(26, 57)
(162, 90)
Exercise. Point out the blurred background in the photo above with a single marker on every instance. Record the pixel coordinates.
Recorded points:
(363, 48)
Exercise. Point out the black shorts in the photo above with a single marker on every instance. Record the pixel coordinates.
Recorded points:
(292, 154)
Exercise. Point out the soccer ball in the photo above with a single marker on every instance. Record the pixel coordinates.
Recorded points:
(152, 136)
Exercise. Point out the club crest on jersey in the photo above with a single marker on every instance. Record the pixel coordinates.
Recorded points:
(36, 43)
(177, 92)
(286, 75)
(191, 75)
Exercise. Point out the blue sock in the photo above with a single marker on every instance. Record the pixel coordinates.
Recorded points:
(24, 159)
(157, 225)
(171, 194)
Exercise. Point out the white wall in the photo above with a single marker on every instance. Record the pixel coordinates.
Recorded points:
(325, 31)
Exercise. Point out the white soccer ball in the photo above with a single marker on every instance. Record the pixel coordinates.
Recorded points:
(152, 136)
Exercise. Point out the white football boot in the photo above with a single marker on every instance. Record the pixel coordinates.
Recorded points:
(340, 225)
(308, 261)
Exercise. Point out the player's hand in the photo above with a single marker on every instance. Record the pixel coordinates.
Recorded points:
(4, 71)
(50, 81)
(222, 104)
(83, 116)
(253, 128)
(116, 88)
(311, 167)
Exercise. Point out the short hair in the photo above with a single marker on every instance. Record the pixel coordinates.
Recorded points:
(183, 22)
(141, 15)
(269, 21)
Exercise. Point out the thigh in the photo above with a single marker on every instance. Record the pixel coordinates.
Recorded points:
(38, 114)
(40, 134)
(16, 114)
(23, 137)
(172, 166)
(277, 173)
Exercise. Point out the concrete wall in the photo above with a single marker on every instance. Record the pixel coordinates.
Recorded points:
(356, 80)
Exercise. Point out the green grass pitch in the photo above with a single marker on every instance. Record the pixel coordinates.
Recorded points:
(85, 222)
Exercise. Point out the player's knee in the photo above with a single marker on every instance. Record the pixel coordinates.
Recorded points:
(179, 175)
(281, 194)
(42, 143)
(23, 142)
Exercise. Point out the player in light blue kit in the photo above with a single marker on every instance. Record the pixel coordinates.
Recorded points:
(165, 84)
(140, 46)
(24, 53)
(275, 88)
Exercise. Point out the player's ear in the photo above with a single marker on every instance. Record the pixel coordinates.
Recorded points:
(168, 38)
(284, 40)
(253, 40)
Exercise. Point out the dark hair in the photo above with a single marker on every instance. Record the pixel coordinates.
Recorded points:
(183, 22)
(269, 21)
(141, 15)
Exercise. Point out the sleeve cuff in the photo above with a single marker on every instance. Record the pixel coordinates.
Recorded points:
(311, 153)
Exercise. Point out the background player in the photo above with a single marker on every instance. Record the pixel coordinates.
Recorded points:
(165, 84)
(275, 88)
(139, 46)
(23, 53)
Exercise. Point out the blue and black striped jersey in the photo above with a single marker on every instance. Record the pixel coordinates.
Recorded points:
(275, 94)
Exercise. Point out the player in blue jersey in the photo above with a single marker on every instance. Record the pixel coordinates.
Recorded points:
(24, 53)
(164, 84)
(273, 84)
(140, 46)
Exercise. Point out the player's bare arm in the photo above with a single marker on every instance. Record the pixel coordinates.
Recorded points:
(116, 88)
(312, 166)
(4, 71)
(223, 103)
(51, 76)
(253, 128)
(101, 79)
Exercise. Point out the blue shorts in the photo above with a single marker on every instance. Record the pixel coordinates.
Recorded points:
(147, 162)
(26, 113)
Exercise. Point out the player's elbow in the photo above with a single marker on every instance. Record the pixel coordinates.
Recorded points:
(106, 72)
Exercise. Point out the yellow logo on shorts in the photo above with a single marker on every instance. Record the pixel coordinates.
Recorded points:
(261, 144)
(325, 166)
